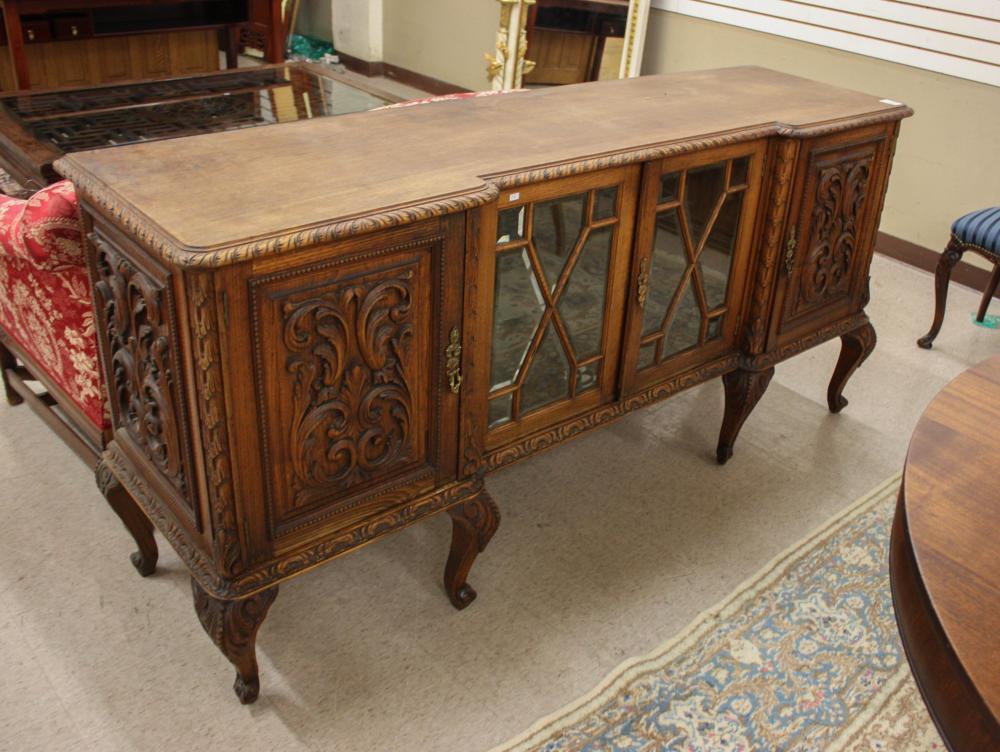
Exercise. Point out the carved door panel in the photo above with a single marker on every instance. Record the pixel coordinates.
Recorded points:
(356, 406)
(831, 229)
(696, 216)
(553, 271)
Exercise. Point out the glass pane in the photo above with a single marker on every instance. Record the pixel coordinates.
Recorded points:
(556, 225)
(702, 190)
(510, 225)
(716, 257)
(606, 203)
(500, 410)
(517, 309)
(647, 355)
(586, 376)
(548, 374)
(684, 329)
(668, 187)
(741, 168)
(581, 306)
(668, 263)
(714, 329)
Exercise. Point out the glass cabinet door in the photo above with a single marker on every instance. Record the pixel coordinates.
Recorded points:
(695, 226)
(560, 258)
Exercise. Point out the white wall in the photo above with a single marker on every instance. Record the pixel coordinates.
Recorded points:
(357, 28)
(948, 152)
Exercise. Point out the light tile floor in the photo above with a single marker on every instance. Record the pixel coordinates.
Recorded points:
(608, 546)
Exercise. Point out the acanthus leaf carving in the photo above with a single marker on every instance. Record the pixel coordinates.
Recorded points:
(841, 190)
(353, 408)
(781, 188)
(138, 343)
(215, 439)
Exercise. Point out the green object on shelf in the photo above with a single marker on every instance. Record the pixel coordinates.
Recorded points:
(989, 321)
(309, 47)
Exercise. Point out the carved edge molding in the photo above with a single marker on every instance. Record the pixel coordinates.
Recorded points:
(169, 250)
(166, 247)
(607, 413)
(769, 359)
(265, 576)
(771, 243)
(215, 439)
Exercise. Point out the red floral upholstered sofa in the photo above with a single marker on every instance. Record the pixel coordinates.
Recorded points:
(46, 316)
(47, 336)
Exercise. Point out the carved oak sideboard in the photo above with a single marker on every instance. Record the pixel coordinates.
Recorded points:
(319, 333)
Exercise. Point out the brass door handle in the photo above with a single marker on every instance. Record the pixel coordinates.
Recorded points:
(790, 250)
(642, 283)
(453, 361)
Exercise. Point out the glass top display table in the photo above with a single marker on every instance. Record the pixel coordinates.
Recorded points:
(39, 127)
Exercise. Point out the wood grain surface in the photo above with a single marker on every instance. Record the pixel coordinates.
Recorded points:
(946, 558)
(218, 190)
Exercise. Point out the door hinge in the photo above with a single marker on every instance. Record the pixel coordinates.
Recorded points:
(790, 250)
(453, 361)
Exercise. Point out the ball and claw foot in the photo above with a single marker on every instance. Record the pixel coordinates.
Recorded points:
(473, 524)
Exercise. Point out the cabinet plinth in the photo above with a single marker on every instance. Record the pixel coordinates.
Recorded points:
(299, 371)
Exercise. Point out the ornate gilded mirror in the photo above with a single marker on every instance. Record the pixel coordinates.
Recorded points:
(550, 42)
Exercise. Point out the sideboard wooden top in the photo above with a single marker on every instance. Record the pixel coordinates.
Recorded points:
(220, 198)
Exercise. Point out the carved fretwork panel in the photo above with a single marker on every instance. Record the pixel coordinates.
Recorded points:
(694, 241)
(138, 330)
(824, 247)
(344, 356)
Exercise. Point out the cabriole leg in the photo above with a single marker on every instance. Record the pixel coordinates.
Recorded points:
(951, 256)
(856, 346)
(988, 293)
(233, 626)
(743, 391)
(133, 518)
(7, 360)
(473, 524)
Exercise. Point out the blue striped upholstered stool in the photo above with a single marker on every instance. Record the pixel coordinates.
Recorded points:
(978, 232)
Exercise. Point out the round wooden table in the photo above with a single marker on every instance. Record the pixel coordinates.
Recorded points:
(944, 559)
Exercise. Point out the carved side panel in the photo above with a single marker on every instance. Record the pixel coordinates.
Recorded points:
(138, 329)
(836, 201)
(344, 367)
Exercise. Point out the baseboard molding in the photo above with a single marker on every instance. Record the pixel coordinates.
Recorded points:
(924, 258)
(357, 65)
(419, 80)
(396, 73)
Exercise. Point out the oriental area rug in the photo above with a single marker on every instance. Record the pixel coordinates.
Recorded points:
(803, 656)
